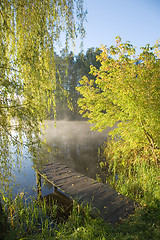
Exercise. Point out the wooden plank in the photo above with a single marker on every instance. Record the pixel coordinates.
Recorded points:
(38, 181)
(111, 204)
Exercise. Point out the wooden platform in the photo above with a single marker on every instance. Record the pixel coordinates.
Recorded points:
(106, 202)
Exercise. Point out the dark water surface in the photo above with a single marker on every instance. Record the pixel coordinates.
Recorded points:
(73, 143)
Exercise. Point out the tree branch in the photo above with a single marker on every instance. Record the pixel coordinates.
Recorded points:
(13, 69)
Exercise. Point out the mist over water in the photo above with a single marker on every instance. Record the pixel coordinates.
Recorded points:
(72, 143)
(77, 146)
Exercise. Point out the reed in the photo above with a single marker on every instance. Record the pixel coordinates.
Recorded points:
(27, 216)
(30, 220)
(139, 181)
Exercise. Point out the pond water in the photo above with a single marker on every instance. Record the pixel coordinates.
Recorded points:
(73, 144)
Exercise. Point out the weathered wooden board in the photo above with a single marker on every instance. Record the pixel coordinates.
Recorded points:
(111, 205)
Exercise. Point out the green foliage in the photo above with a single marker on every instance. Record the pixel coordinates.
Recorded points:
(84, 61)
(28, 36)
(69, 71)
(132, 176)
(30, 220)
(29, 217)
(144, 224)
(66, 79)
(126, 94)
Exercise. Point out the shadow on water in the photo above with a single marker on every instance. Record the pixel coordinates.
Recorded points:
(76, 145)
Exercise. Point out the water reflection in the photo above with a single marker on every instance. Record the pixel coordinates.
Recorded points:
(77, 145)
(73, 143)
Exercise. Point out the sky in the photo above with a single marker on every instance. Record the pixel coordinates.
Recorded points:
(137, 21)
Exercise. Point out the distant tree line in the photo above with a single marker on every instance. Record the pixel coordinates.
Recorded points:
(69, 71)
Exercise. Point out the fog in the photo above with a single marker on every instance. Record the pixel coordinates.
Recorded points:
(72, 143)
(75, 144)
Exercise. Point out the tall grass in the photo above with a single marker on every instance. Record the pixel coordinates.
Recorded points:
(139, 182)
(27, 216)
(29, 219)
(132, 172)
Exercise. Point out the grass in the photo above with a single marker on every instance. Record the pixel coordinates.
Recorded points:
(31, 219)
(139, 182)
(28, 217)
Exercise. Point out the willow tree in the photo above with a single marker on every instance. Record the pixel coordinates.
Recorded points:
(29, 32)
(126, 93)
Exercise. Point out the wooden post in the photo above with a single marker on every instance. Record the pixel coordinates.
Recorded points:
(55, 189)
(38, 181)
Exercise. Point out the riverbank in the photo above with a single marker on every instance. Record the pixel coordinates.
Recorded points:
(33, 222)
(31, 219)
